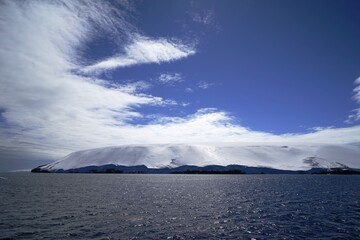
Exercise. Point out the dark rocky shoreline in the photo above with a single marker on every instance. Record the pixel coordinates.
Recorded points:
(188, 169)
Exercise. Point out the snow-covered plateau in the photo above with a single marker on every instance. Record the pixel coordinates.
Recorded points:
(176, 156)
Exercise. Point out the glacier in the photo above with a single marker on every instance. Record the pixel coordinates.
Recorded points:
(300, 156)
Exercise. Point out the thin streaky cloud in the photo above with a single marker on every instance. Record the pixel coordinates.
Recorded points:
(355, 116)
(205, 85)
(135, 87)
(316, 129)
(170, 78)
(144, 50)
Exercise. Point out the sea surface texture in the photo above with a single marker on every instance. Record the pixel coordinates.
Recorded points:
(121, 206)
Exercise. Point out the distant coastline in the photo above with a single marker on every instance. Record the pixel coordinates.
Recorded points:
(189, 169)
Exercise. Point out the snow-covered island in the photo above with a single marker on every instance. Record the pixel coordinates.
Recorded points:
(211, 158)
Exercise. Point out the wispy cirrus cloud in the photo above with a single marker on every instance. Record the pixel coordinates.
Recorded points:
(205, 85)
(170, 78)
(356, 112)
(316, 129)
(134, 87)
(144, 50)
(48, 108)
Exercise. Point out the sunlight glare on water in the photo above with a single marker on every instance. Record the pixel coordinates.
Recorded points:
(100, 206)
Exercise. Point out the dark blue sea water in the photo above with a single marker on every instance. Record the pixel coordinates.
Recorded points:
(96, 206)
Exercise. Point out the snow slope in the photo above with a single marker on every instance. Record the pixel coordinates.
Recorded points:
(289, 157)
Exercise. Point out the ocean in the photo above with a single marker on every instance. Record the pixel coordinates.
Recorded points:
(166, 206)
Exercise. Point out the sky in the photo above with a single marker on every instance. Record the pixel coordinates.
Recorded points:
(76, 75)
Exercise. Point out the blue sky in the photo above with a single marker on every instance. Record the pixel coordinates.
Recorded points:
(77, 75)
(293, 63)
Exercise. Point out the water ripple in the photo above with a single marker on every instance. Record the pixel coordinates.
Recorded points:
(71, 206)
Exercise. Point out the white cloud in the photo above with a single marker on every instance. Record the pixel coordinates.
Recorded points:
(46, 107)
(212, 125)
(135, 87)
(316, 129)
(49, 111)
(144, 50)
(189, 90)
(185, 104)
(205, 85)
(170, 78)
(355, 117)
